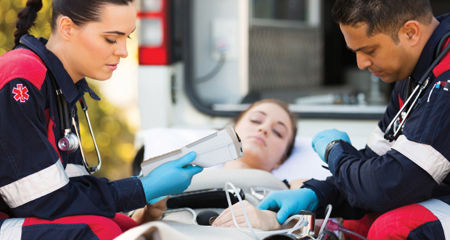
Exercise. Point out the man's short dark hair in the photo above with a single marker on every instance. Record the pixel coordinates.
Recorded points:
(382, 16)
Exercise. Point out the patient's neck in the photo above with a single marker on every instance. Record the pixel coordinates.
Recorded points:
(236, 164)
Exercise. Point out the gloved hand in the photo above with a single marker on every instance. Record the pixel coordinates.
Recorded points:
(289, 202)
(170, 178)
(322, 139)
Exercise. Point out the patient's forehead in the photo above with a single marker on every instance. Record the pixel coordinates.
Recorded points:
(273, 112)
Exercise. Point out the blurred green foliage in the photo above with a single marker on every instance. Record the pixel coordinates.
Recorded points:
(114, 135)
(8, 16)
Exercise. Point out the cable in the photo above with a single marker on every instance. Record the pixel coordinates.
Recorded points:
(332, 226)
(301, 222)
(342, 229)
(296, 226)
(324, 223)
(243, 209)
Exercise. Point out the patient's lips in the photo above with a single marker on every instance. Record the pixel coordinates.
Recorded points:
(260, 140)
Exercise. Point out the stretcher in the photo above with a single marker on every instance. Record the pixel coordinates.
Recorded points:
(303, 163)
(180, 225)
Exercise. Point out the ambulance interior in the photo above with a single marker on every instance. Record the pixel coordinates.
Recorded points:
(202, 62)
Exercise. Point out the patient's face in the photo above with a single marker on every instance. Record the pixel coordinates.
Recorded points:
(265, 131)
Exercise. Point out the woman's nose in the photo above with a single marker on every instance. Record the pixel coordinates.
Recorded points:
(122, 51)
(263, 128)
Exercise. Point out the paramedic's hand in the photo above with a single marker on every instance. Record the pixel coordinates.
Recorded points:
(322, 139)
(289, 202)
(170, 178)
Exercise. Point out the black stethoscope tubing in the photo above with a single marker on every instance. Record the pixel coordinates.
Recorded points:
(64, 116)
(421, 85)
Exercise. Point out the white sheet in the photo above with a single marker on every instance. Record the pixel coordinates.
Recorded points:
(303, 163)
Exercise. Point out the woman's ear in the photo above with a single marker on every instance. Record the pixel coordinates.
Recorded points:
(65, 27)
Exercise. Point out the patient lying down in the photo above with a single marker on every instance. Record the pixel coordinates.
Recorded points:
(267, 130)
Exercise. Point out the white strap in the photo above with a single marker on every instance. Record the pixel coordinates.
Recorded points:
(74, 170)
(441, 210)
(12, 229)
(425, 156)
(377, 143)
(35, 185)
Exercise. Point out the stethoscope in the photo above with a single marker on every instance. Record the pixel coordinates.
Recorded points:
(71, 142)
(399, 120)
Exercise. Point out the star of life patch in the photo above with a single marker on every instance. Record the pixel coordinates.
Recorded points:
(20, 93)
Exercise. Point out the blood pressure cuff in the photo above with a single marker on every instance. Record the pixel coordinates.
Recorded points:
(209, 198)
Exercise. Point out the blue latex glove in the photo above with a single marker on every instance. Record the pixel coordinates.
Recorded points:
(322, 139)
(170, 178)
(289, 202)
(155, 200)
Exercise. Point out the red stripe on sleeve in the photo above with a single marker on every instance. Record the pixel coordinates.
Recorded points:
(444, 65)
(104, 228)
(22, 63)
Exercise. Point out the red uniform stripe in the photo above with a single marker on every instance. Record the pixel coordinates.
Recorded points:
(444, 65)
(22, 63)
(104, 228)
(398, 223)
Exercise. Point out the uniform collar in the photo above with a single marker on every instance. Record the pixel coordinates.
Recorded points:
(428, 53)
(71, 91)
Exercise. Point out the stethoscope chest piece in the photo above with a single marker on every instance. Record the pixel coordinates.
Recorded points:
(69, 143)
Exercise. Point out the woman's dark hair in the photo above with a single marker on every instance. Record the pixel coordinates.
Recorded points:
(80, 12)
(292, 117)
(382, 16)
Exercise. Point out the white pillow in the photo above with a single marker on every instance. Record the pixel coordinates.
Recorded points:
(303, 162)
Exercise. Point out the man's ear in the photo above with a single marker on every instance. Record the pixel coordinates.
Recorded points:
(411, 32)
(66, 27)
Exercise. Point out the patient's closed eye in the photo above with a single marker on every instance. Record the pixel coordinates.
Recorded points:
(279, 130)
(257, 118)
(277, 133)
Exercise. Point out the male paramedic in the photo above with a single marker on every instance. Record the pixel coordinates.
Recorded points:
(405, 179)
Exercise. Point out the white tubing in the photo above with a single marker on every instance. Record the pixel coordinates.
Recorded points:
(301, 222)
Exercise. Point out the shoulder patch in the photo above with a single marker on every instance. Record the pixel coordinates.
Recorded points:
(22, 63)
(444, 65)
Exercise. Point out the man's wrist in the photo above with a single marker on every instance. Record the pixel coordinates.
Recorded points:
(329, 147)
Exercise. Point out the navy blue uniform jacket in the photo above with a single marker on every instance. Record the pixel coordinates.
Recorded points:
(414, 168)
(36, 179)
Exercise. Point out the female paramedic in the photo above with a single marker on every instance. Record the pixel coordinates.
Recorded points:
(403, 173)
(45, 187)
